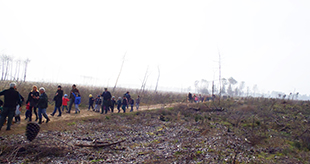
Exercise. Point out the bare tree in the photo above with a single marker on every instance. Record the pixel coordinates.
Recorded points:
(119, 72)
(220, 78)
(17, 69)
(241, 87)
(7, 60)
(157, 79)
(196, 86)
(26, 65)
(146, 75)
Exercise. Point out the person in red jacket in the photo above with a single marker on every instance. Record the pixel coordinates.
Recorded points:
(65, 102)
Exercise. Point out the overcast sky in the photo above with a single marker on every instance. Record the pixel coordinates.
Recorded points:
(265, 42)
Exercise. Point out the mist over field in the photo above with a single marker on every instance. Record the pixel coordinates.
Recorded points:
(180, 46)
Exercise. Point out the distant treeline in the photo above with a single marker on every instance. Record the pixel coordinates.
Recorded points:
(13, 69)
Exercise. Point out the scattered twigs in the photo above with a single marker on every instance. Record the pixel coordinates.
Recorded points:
(307, 130)
(100, 145)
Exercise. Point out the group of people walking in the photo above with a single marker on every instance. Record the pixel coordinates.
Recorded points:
(13, 102)
(198, 98)
(108, 102)
(37, 103)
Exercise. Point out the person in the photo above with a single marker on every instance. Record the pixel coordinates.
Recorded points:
(58, 101)
(65, 101)
(77, 102)
(124, 104)
(195, 98)
(113, 102)
(91, 102)
(27, 113)
(11, 99)
(18, 110)
(42, 105)
(97, 104)
(127, 95)
(119, 104)
(106, 100)
(72, 98)
(190, 97)
(131, 102)
(138, 102)
(33, 98)
(201, 98)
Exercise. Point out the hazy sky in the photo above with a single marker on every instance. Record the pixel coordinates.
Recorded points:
(265, 42)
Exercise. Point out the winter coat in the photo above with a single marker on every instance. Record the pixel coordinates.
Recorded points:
(11, 98)
(106, 95)
(91, 101)
(127, 95)
(58, 98)
(113, 102)
(33, 101)
(138, 101)
(131, 102)
(73, 91)
(43, 101)
(98, 101)
(119, 102)
(65, 101)
(125, 102)
(77, 99)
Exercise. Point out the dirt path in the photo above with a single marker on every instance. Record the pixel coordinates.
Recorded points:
(85, 113)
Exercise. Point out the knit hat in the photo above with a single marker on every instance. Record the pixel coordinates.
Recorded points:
(66, 95)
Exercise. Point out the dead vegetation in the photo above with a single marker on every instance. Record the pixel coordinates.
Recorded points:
(244, 131)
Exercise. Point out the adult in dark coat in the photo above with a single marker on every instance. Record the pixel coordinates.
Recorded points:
(42, 105)
(106, 100)
(11, 100)
(58, 100)
(72, 98)
(33, 98)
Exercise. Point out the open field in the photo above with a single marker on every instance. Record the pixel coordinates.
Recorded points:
(252, 130)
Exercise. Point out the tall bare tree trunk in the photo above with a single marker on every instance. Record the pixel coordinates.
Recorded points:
(220, 79)
(119, 72)
(26, 65)
(157, 79)
(144, 80)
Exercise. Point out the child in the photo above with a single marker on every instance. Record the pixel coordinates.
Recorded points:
(113, 102)
(131, 102)
(65, 102)
(27, 113)
(91, 102)
(138, 102)
(119, 104)
(97, 104)
(77, 101)
(18, 109)
(124, 104)
(17, 114)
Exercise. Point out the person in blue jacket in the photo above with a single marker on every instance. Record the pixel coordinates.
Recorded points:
(77, 101)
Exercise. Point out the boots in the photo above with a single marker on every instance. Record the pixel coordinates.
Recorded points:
(40, 121)
(45, 116)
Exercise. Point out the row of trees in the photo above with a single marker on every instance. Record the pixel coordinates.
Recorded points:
(232, 87)
(229, 87)
(13, 69)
